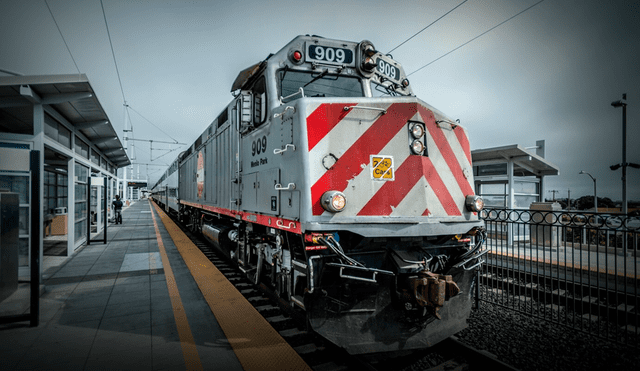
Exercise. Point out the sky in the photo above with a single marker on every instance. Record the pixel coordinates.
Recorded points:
(549, 74)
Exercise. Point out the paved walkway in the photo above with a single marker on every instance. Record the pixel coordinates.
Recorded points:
(108, 307)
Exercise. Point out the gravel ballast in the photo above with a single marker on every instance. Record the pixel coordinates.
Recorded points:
(527, 343)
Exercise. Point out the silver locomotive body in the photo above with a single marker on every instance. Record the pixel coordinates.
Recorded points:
(327, 179)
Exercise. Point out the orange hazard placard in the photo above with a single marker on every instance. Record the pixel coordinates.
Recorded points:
(382, 167)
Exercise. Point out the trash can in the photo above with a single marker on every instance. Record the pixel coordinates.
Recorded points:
(9, 243)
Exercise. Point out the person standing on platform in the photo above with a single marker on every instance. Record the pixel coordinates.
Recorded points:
(117, 208)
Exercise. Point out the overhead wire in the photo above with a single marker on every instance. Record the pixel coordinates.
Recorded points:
(112, 52)
(115, 62)
(477, 37)
(430, 24)
(153, 124)
(127, 107)
(61, 35)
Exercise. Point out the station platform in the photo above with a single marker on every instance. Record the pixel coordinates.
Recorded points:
(146, 300)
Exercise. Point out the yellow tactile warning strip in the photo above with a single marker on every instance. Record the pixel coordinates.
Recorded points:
(256, 344)
(189, 350)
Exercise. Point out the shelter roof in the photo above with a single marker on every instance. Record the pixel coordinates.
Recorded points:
(525, 163)
(72, 97)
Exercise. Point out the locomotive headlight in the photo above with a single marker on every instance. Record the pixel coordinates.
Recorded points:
(417, 130)
(474, 203)
(368, 49)
(333, 201)
(369, 64)
(417, 147)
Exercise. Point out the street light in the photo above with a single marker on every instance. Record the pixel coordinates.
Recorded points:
(595, 194)
(623, 103)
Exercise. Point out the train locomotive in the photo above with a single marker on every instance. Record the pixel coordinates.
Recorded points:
(327, 179)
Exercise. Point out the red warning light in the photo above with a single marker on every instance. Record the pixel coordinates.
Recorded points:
(297, 56)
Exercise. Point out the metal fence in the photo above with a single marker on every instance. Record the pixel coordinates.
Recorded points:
(578, 270)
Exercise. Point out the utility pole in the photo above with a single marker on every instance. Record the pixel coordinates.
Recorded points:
(623, 103)
(553, 191)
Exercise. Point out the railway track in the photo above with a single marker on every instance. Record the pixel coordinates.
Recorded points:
(321, 355)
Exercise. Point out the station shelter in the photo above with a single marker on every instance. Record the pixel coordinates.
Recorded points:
(513, 178)
(78, 154)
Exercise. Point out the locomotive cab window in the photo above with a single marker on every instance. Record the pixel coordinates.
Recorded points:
(259, 101)
(318, 84)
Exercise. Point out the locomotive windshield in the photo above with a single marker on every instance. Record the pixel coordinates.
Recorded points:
(319, 84)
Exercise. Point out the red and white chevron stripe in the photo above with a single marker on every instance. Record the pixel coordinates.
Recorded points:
(433, 185)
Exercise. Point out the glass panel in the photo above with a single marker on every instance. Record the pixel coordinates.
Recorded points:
(496, 169)
(82, 148)
(17, 184)
(318, 85)
(23, 253)
(64, 136)
(496, 189)
(524, 201)
(24, 221)
(77, 146)
(82, 172)
(81, 210)
(51, 129)
(62, 179)
(94, 196)
(81, 193)
(495, 201)
(95, 158)
(525, 187)
(80, 230)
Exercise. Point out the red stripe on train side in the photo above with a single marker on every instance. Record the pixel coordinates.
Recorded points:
(371, 142)
(407, 175)
(464, 141)
(266, 220)
(445, 150)
(321, 121)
